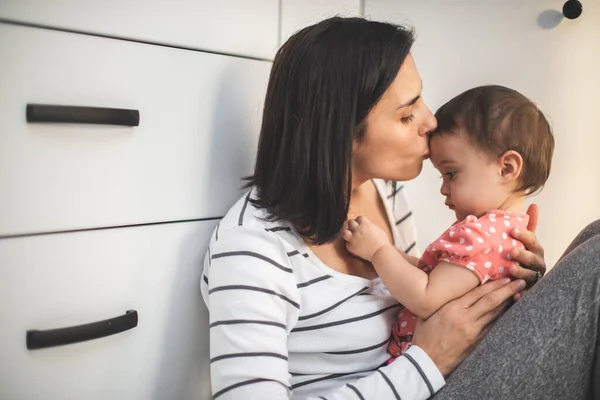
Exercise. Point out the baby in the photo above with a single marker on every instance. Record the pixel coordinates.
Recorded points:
(493, 147)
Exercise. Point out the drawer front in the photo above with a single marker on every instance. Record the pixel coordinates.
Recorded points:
(64, 280)
(248, 28)
(199, 118)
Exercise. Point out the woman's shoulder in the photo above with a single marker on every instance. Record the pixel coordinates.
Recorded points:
(247, 231)
(247, 228)
(244, 213)
(245, 218)
(245, 253)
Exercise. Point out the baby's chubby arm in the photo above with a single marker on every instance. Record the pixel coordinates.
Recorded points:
(421, 293)
(411, 259)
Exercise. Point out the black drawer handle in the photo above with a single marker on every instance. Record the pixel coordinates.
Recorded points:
(82, 115)
(58, 337)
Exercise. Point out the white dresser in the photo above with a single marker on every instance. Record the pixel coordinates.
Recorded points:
(113, 214)
(125, 129)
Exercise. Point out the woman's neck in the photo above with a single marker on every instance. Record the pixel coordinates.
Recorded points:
(361, 193)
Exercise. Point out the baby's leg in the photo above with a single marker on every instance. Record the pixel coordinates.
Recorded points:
(402, 332)
(546, 346)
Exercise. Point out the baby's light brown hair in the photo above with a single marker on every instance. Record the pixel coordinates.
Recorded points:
(496, 119)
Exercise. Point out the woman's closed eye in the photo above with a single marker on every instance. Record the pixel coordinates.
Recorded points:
(406, 120)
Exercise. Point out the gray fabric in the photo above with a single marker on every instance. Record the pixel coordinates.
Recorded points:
(588, 232)
(546, 346)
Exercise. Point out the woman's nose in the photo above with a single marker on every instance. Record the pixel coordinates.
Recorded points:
(429, 122)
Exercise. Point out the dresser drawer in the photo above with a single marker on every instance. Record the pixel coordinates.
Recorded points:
(199, 118)
(241, 27)
(65, 280)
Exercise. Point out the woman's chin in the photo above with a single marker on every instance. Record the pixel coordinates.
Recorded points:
(411, 173)
(401, 173)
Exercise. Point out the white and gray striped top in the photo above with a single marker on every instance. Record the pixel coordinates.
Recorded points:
(284, 325)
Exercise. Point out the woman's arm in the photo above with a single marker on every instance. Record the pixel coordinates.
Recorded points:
(252, 305)
(252, 298)
(253, 301)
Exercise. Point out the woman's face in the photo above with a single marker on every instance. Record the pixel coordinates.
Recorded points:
(395, 143)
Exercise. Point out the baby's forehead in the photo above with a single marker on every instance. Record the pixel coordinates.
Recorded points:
(442, 143)
(448, 147)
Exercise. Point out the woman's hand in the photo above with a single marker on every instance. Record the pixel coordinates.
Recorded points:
(531, 259)
(450, 334)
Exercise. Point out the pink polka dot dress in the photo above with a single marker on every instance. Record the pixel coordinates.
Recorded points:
(481, 245)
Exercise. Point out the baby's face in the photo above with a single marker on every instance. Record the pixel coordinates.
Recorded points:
(471, 180)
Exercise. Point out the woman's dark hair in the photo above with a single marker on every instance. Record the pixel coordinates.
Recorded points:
(324, 81)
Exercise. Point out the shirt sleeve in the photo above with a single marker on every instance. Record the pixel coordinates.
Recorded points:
(467, 245)
(412, 376)
(253, 301)
(250, 291)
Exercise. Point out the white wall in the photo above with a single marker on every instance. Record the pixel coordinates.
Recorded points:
(528, 46)
(296, 14)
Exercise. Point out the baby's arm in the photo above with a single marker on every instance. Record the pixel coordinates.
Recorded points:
(364, 238)
(411, 259)
(421, 293)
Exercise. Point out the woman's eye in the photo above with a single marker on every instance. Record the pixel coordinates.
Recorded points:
(406, 120)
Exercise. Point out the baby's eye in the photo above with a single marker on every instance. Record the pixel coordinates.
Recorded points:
(450, 174)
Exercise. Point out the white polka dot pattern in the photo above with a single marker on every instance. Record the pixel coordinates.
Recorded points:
(481, 245)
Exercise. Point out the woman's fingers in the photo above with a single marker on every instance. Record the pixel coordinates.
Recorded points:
(493, 303)
(476, 294)
(530, 241)
(529, 276)
(489, 317)
(518, 296)
(533, 211)
(530, 259)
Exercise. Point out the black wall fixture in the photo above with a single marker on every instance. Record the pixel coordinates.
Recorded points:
(572, 9)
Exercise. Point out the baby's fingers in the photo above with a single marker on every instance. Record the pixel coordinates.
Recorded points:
(352, 224)
(347, 235)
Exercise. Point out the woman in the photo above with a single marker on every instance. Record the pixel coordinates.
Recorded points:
(292, 314)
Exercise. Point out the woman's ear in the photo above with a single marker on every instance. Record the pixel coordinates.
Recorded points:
(511, 164)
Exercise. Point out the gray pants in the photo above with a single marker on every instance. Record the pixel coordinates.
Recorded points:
(547, 345)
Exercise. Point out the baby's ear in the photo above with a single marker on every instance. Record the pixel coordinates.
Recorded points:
(511, 164)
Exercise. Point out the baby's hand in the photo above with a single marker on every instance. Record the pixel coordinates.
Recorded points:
(363, 238)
